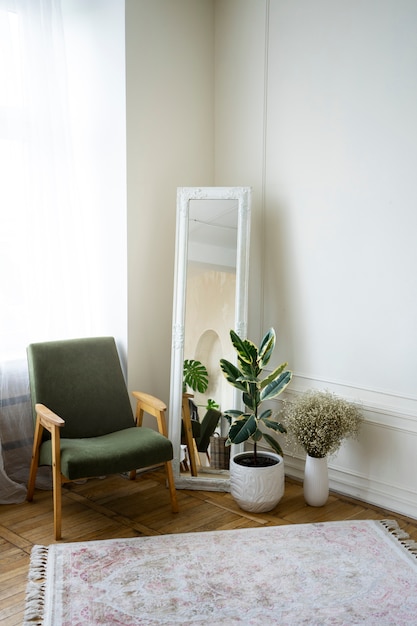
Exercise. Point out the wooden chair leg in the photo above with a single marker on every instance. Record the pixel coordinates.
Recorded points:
(56, 485)
(171, 486)
(196, 453)
(188, 432)
(152, 405)
(37, 439)
(57, 508)
(184, 465)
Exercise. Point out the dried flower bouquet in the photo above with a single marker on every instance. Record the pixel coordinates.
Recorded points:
(319, 421)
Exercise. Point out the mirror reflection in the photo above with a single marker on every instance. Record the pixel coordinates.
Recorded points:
(211, 290)
(209, 316)
(210, 298)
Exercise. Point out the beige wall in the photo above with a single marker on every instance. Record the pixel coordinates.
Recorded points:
(240, 130)
(169, 49)
(209, 316)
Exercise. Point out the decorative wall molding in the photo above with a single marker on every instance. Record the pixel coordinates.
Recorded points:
(383, 493)
(374, 468)
(383, 404)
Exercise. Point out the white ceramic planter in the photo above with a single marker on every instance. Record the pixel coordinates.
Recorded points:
(316, 481)
(257, 489)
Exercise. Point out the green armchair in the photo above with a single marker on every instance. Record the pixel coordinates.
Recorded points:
(84, 425)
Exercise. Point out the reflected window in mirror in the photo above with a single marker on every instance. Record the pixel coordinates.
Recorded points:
(211, 292)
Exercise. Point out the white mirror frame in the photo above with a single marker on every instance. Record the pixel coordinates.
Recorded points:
(243, 195)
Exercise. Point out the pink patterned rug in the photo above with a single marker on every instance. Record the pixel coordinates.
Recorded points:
(353, 572)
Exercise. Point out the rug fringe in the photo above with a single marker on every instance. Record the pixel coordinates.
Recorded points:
(35, 589)
(400, 534)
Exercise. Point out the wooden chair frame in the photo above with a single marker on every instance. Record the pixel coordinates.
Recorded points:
(46, 419)
(188, 433)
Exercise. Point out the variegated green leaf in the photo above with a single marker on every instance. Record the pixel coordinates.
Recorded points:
(234, 413)
(251, 400)
(232, 374)
(273, 443)
(246, 350)
(242, 429)
(257, 436)
(276, 387)
(265, 414)
(273, 375)
(249, 378)
(275, 426)
(266, 348)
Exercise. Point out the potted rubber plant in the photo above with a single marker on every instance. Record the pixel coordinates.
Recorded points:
(256, 477)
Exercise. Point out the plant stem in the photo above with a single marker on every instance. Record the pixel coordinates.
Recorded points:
(255, 447)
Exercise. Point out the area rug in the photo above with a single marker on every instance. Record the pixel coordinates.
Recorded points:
(352, 572)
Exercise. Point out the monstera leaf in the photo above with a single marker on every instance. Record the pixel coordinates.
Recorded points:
(195, 376)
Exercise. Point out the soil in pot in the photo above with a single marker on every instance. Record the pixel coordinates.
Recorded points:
(262, 461)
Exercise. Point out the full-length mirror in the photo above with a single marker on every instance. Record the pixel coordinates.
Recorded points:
(210, 298)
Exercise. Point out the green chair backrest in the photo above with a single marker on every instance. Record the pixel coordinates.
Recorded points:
(81, 380)
(208, 426)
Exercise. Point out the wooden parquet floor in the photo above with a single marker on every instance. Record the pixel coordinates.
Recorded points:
(116, 507)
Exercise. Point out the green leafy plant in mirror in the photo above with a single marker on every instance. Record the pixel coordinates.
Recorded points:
(195, 376)
(247, 377)
(212, 404)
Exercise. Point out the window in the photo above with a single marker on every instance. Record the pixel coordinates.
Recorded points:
(62, 194)
(57, 273)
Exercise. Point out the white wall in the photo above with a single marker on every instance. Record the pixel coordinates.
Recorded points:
(313, 105)
(169, 66)
(316, 104)
(342, 136)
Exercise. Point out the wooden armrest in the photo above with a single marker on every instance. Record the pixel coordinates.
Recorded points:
(48, 418)
(152, 405)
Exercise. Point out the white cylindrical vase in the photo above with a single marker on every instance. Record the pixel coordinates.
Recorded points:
(316, 481)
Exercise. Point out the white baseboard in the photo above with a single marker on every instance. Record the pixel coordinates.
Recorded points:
(386, 495)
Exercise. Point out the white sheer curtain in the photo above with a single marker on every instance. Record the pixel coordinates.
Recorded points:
(48, 252)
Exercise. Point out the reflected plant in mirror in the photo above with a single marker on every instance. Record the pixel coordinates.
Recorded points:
(195, 376)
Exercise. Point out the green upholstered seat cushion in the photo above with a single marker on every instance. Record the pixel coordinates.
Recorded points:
(121, 451)
(81, 380)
